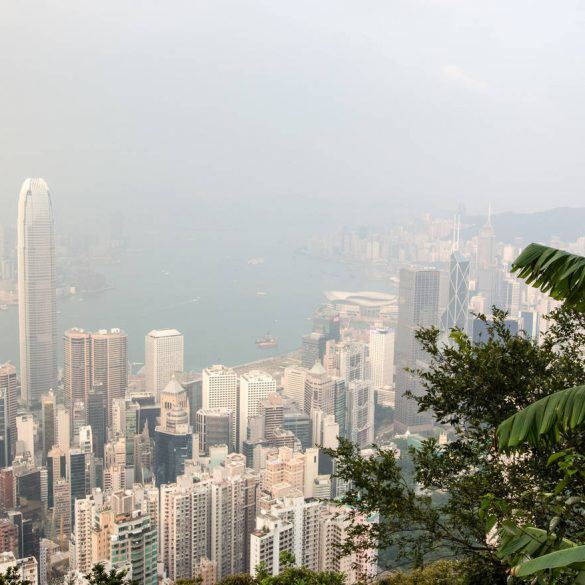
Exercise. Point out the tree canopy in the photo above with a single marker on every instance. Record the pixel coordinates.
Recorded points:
(471, 388)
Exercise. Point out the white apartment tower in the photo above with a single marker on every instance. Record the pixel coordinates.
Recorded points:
(293, 382)
(37, 306)
(220, 390)
(254, 387)
(163, 357)
(382, 357)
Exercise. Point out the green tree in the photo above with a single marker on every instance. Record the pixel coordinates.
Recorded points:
(556, 422)
(99, 576)
(438, 573)
(471, 388)
(12, 577)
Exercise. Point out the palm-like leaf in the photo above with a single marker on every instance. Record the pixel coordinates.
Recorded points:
(555, 272)
(547, 418)
(559, 559)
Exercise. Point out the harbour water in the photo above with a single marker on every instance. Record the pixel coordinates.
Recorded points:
(200, 282)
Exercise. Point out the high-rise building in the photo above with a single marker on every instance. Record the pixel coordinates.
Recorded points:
(174, 444)
(486, 245)
(351, 360)
(291, 524)
(457, 312)
(319, 390)
(81, 549)
(326, 321)
(233, 501)
(37, 306)
(5, 443)
(293, 382)
(334, 524)
(382, 357)
(360, 413)
(61, 514)
(220, 390)
(185, 531)
(62, 428)
(96, 418)
(163, 357)
(214, 427)
(418, 307)
(77, 366)
(25, 432)
(255, 386)
(313, 349)
(173, 395)
(9, 401)
(110, 365)
(134, 545)
(48, 430)
(271, 409)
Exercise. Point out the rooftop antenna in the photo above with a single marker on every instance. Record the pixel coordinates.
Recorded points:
(489, 216)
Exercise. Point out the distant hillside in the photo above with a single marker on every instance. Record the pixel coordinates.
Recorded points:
(566, 222)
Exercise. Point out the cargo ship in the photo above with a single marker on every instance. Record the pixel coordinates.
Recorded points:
(267, 342)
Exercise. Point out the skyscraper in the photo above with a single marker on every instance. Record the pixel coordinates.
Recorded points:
(254, 387)
(457, 312)
(214, 427)
(382, 357)
(220, 390)
(313, 349)
(8, 390)
(48, 428)
(418, 298)
(110, 365)
(163, 357)
(37, 306)
(77, 362)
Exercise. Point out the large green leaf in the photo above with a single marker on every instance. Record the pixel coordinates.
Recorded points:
(528, 541)
(555, 272)
(566, 558)
(547, 418)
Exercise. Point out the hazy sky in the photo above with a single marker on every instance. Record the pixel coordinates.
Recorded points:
(120, 103)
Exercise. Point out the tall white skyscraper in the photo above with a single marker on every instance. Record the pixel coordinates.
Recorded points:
(293, 381)
(163, 357)
(37, 306)
(254, 387)
(382, 357)
(220, 390)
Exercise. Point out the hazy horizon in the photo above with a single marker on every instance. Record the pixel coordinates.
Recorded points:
(365, 108)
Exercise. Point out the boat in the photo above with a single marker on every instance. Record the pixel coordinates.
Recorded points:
(261, 293)
(3, 307)
(267, 342)
(254, 261)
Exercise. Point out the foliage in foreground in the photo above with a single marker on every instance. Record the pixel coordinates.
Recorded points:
(289, 575)
(438, 573)
(99, 576)
(472, 388)
(12, 577)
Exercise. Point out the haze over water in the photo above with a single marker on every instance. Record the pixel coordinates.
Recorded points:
(208, 261)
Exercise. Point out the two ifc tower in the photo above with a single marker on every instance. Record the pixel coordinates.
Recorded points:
(37, 303)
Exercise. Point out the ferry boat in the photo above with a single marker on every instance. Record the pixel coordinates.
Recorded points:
(267, 342)
(3, 307)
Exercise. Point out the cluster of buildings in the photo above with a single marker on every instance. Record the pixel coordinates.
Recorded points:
(176, 475)
(166, 473)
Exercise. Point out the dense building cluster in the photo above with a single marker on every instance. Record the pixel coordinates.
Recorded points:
(173, 474)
